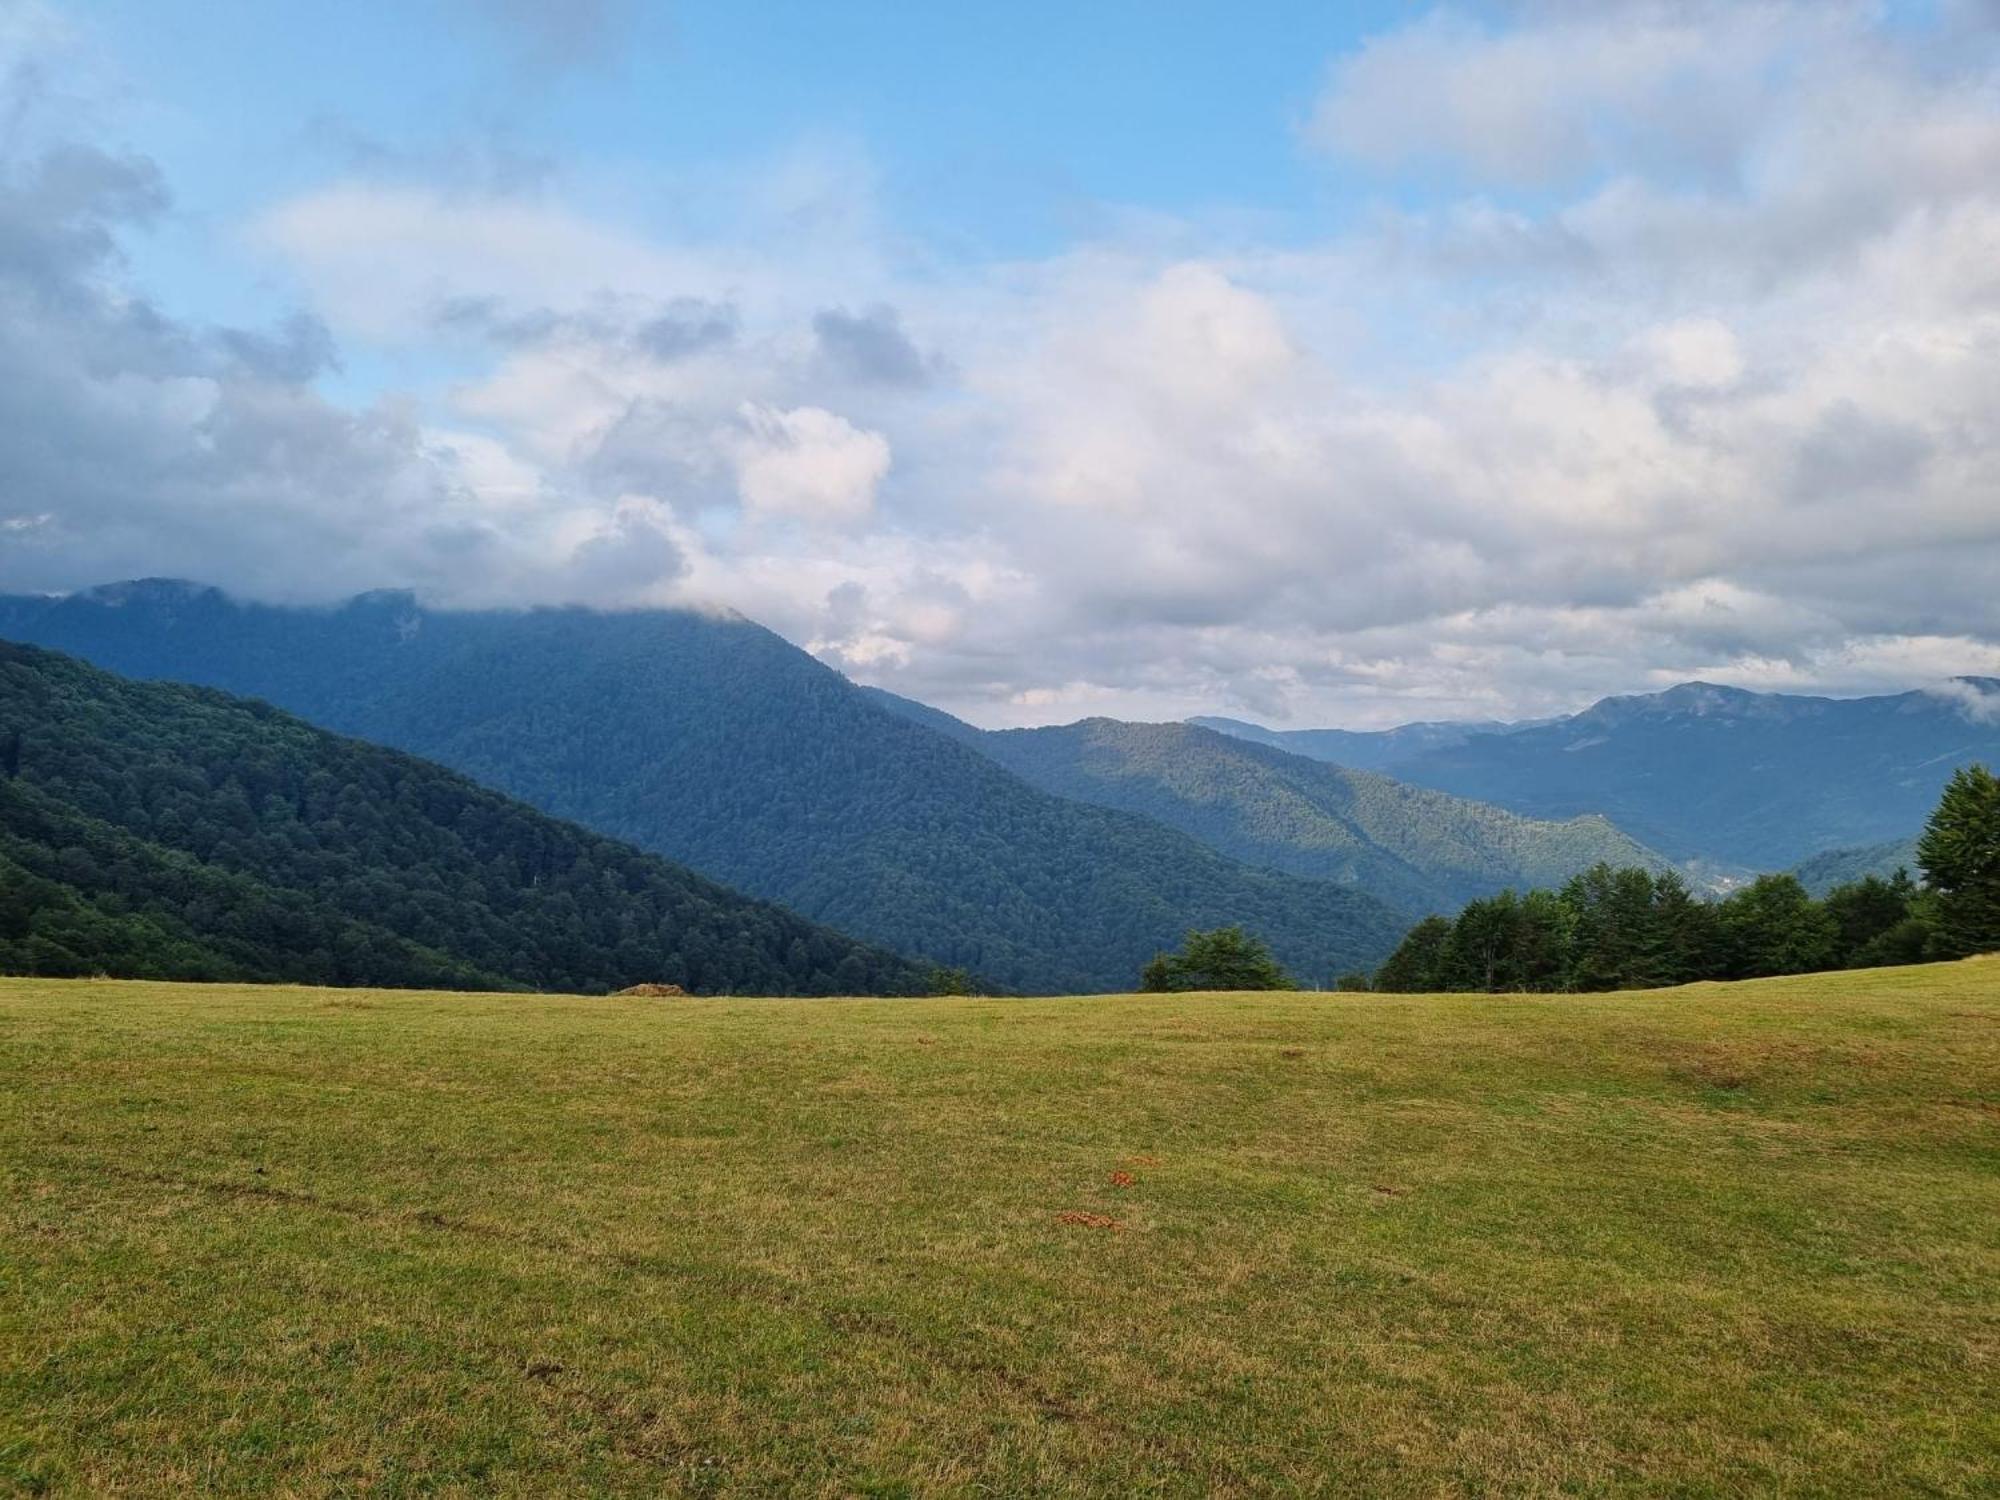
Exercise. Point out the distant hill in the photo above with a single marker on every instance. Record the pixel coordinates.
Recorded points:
(1758, 781)
(152, 830)
(1361, 749)
(712, 741)
(1420, 850)
(1823, 872)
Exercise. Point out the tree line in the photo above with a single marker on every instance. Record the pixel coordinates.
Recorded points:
(1609, 929)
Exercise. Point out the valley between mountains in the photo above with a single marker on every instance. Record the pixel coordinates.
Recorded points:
(1052, 860)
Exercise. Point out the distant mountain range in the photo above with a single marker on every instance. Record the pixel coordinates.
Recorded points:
(711, 741)
(1837, 867)
(1359, 749)
(1758, 781)
(153, 830)
(1420, 849)
(1050, 859)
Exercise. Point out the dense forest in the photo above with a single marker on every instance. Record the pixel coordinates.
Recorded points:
(155, 830)
(1419, 850)
(1634, 929)
(1729, 778)
(713, 742)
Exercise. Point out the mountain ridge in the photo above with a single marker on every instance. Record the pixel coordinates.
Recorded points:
(715, 743)
(1730, 776)
(151, 829)
(1421, 849)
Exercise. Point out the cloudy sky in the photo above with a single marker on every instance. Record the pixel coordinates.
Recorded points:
(1314, 363)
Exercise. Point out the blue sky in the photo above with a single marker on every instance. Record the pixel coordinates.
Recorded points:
(1327, 363)
(997, 130)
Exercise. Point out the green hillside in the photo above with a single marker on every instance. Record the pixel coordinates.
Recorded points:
(1720, 776)
(715, 743)
(1420, 850)
(151, 829)
(1724, 1240)
(1838, 867)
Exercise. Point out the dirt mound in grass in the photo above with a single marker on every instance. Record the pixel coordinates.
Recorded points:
(652, 991)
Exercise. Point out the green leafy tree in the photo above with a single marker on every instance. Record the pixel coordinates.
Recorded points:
(1417, 965)
(1227, 958)
(1689, 932)
(949, 981)
(1772, 926)
(1866, 909)
(1960, 856)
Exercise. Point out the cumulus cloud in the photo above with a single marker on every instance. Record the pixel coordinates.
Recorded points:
(1683, 362)
(809, 463)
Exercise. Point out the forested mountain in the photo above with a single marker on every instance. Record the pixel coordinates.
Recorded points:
(157, 830)
(1760, 781)
(1838, 867)
(714, 742)
(1419, 849)
(1361, 749)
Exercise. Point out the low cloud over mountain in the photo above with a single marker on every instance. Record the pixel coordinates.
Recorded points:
(1641, 342)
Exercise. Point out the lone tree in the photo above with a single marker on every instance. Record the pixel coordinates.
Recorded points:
(1226, 959)
(1960, 856)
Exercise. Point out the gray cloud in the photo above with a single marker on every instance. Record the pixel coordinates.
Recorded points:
(60, 212)
(681, 327)
(132, 443)
(1849, 452)
(871, 347)
(633, 552)
(1717, 402)
(687, 326)
(299, 350)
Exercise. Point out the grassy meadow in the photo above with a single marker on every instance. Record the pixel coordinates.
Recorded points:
(1718, 1240)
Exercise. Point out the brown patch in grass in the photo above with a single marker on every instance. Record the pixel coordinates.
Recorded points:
(1085, 1220)
(1390, 1190)
(1122, 1179)
(1291, 1052)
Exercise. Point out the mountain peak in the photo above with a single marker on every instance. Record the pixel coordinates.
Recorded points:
(1697, 699)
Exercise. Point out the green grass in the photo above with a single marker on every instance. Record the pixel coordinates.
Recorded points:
(1720, 1240)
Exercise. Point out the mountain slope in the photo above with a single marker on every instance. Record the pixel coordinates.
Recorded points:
(156, 830)
(1755, 780)
(1837, 867)
(1361, 749)
(714, 742)
(1419, 849)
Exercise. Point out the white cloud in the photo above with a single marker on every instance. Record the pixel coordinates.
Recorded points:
(1573, 92)
(1687, 363)
(808, 463)
(1979, 705)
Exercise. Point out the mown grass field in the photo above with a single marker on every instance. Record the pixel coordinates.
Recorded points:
(1721, 1240)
